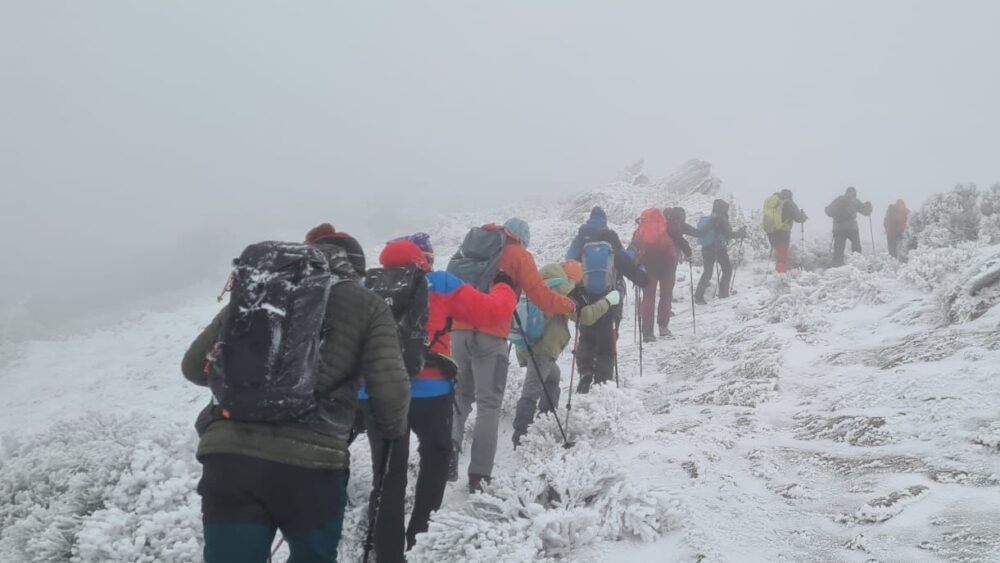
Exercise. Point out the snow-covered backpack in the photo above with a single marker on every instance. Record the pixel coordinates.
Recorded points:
(773, 214)
(599, 274)
(405, 290)
(478, 259)
(652, 236)
(532, 318)
(709, 235)
(265, 365)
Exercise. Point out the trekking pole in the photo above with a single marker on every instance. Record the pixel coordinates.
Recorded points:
(572, 369)
(718, 278)
(694, 320)
(531, 354)
(871, 231)
(736, 268)
(614, 345)
(274, 551)
(637, 316)
(373, 517)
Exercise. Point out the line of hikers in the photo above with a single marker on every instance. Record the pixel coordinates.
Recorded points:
(314, 348)
(781, 213)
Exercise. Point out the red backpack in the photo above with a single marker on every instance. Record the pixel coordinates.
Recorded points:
(652, 236)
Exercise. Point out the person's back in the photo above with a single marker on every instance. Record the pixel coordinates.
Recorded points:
(480, 350)
(431, 412)
(541, 383)
(715, 233)
(257, 474)
(844, 211)
(896, 218)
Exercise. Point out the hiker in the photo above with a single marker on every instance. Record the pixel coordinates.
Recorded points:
(404, 262)
(274, 455)
(896, 219)
(844, 212)
(657, 254)
(554, 336)
(480, 349)
(780, 213)
(715, 232)
(606, 265)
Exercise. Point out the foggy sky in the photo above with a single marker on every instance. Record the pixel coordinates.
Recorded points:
(143, 143)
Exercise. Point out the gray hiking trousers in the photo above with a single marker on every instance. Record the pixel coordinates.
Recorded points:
(533, 395)
(482, 377)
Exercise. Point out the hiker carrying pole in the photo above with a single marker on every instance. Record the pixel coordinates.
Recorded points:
(531, 354)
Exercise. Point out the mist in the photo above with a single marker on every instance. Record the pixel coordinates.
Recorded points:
(143, 144)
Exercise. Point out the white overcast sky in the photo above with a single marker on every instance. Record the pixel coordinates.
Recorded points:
(141, 140)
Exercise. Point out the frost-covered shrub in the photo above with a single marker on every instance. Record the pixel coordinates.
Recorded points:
(557, 501)
(974, 290)
(101, 489)
(961, 215)
(832, 291)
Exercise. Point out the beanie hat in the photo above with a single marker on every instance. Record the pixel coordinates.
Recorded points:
(851, 191)
(423, 241)
(402, 252)
(573, 270)
(785, 194)
(519, 228)
(321, 232)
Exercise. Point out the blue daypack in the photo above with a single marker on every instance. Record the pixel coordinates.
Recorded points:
(598, 268)
(532, 318)
(709, 236)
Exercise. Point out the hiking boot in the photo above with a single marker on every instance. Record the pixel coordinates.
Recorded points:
(665, 332)
(647, 338)
(453, 465)
(477, 483)
(700, 301)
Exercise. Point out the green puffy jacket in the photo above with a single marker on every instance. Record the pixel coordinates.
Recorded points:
(361, 341)
(556, 336)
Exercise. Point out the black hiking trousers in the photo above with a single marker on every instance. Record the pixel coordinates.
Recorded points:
(430, 419)
(712, 255)
(595, 353)
(840, 239)
(246, 500)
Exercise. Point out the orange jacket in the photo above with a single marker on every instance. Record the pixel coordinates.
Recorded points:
(518, 263)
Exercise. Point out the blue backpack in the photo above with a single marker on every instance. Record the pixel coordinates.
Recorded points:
(598, 268)
(532, 318)
(706, 225)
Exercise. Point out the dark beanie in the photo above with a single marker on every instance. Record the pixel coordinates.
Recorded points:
(598, 213)
(326, 234)
(322, 232)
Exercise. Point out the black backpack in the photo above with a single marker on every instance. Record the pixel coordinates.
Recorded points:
(405, 291)
(265, 365)
(478, 259)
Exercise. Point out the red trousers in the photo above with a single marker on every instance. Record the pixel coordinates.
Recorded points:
(781, 242)
(664, 276)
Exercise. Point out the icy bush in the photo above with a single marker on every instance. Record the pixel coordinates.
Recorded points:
(557, 499)
(837, 289)
(101, 489)
(961, 215)
(975, 289)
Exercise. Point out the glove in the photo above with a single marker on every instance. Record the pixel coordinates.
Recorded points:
(502, 277)
(613, 297)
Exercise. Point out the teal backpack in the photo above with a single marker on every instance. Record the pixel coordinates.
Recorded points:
(532, 318)
(709, 236)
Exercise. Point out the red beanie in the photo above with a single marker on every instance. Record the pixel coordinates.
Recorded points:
(399, 253)
(322, 232)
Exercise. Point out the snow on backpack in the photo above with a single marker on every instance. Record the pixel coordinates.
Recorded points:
(706, 226)
(265, 365)
(599, 274)
(532, 318)
(405, 290)
(652, 236)
(773, 214)
(477, 260)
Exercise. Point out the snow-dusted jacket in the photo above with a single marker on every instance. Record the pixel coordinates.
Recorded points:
(360, 340)
(896, 218)
(844, 212)
(556, 336)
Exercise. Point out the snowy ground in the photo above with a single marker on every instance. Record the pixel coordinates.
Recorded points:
(827, 416)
